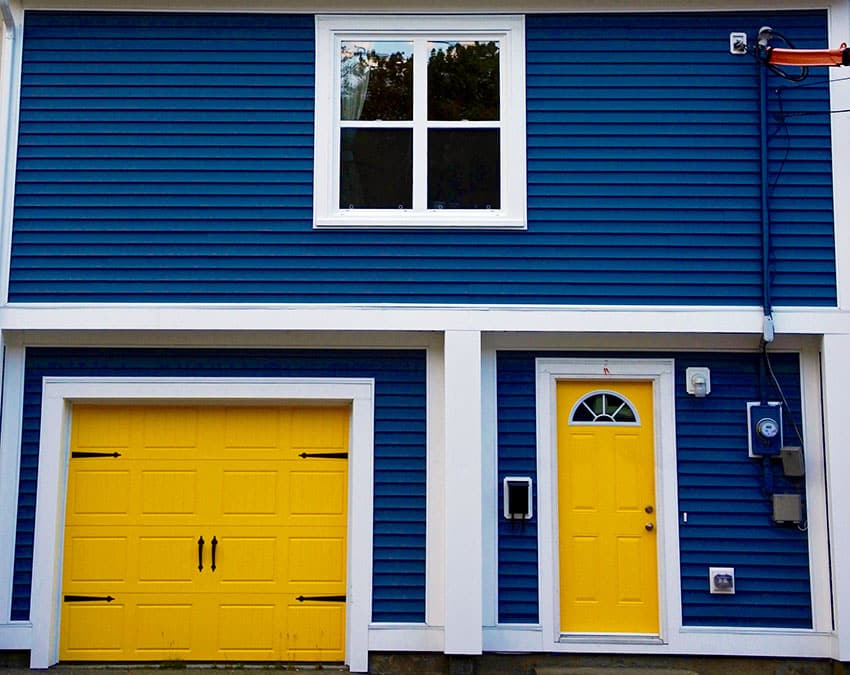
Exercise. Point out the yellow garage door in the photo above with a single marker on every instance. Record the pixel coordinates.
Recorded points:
(205, 533)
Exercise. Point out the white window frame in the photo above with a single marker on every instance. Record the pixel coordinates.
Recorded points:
(509, 31)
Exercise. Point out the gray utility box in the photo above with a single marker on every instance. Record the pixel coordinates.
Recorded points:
(787, 509)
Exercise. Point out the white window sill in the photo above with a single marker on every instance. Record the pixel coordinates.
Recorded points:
(441, 220)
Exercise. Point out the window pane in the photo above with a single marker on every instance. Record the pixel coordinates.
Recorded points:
(463, 169)
(463, 81)
(376, 170)
(376, 80)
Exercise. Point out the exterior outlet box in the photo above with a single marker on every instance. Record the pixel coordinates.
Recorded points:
(517, 498)
(787, 509)
(793, 465)
(737, 43)
(721, 580)
(764, 422)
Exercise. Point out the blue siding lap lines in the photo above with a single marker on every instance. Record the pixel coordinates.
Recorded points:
(399, 462)
(721, 489)
(169, 158)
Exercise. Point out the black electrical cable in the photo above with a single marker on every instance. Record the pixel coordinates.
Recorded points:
(799, 77)
(778, 386)
(782, 128)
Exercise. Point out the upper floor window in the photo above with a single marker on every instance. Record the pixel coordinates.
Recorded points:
(420, 122)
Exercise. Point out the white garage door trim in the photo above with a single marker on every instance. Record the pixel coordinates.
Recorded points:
(60, 392)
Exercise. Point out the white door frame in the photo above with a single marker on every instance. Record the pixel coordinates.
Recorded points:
(60, 393)
(661, 373)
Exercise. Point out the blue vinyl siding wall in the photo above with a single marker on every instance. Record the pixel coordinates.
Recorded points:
(169, 158)
(729, 516)
(399, 469)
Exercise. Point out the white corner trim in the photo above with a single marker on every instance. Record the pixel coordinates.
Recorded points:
(661, 373)
(839, 96)
(11, 54)
(60, 392)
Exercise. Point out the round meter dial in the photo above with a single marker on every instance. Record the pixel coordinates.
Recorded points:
(767, 428)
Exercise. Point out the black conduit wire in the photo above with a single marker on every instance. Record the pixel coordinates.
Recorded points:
(775, 380)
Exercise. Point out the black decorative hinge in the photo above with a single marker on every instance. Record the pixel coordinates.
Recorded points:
(83, 455)
(325, 455)
(88, 598)
(321, 598)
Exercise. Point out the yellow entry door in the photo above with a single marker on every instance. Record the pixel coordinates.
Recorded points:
(205, 533)
(606, 507)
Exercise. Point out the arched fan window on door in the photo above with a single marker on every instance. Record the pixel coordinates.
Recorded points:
(604, 407)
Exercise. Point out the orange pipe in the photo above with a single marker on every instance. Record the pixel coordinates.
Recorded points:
(809, 57)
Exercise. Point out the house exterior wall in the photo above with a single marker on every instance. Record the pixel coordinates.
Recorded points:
(157, 226)
(169, 158)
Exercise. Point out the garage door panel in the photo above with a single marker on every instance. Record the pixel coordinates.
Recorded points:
(164, 630)
(247, 625)
(229, 474)
(315, 632)
(317, 560)
(98, 491)
(251, 491)
(169, 429)
(101, 427)
(244, 560)
(168, 560)
(93, 631)
(97, 558)
(169, 491)
(318, 428)
(253, 429)
(319, 490)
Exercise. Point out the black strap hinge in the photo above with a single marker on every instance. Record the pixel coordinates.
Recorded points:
(84, 455)
(88, 598)
(321, 598)
(325, 455)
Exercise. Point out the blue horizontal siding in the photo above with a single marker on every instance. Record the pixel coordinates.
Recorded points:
(721, 489)
(169, 158)
(399, 461)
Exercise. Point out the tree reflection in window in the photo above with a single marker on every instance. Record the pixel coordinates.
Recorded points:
(603, 407)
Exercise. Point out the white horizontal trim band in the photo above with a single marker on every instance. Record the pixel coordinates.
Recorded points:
(544, 319)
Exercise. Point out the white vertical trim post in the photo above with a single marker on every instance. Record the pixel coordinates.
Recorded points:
(816, 512)
(10, 466)
(490, 483)
(836, 402)
(464, 587)
(435, 495)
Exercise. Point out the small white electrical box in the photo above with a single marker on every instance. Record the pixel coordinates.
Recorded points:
(737, 43)
(517, 498)
(721, 580)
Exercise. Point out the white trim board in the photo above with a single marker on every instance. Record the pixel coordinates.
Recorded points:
(60, 392)
(235, 318)
(441, 6)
